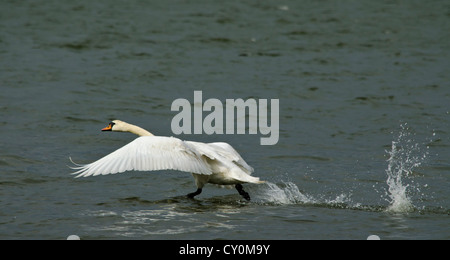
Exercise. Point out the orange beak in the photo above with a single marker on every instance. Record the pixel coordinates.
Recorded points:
(108, 128)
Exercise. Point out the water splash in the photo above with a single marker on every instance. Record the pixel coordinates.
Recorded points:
(288, 193)
(405, 155)
(282, 193)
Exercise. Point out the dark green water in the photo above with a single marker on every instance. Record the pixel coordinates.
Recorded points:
(352, 78)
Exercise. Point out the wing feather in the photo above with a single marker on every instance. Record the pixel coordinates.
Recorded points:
(147, 153)
(227, 151)
(222, 152)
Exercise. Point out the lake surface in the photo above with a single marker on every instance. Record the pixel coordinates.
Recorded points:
(364, 117)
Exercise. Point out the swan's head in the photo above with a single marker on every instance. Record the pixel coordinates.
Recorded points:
(117, 126)
(120, 126)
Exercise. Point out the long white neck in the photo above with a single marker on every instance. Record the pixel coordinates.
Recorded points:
(135, 130)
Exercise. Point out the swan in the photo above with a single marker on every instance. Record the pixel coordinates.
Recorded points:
(216, 163)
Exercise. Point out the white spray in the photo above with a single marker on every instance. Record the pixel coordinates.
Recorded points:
(405, 155)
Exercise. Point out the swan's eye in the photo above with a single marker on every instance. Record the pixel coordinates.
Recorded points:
(109, 127)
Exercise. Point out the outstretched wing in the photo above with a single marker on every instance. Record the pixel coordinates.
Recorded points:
(148, 153)
(229, 152)
(221, 152)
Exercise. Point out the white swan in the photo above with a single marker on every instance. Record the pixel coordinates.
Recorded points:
(216, 163)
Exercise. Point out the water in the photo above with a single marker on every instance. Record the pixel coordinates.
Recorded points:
(404, 156)
(364, 117)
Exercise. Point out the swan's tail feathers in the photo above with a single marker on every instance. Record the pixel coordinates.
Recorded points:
(258, 181)
(251, 179)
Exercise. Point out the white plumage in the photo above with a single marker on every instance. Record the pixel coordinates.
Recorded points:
(216, 163)
(147, 153)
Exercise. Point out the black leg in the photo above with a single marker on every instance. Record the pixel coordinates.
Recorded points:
(193, 194)
(242, 192)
